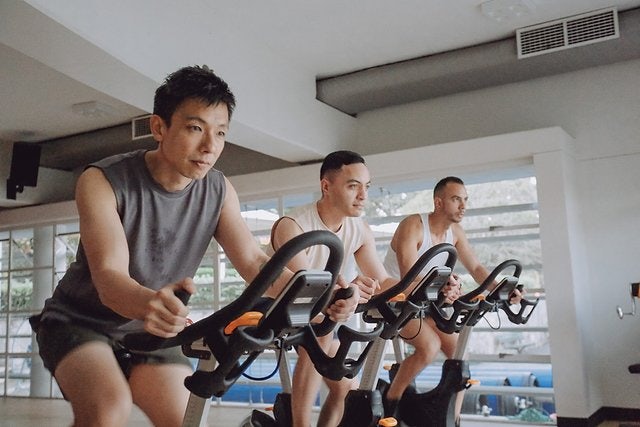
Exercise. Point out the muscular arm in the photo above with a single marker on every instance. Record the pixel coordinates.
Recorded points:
(467, 256)
(406, 241)
(106, 248)
(369, 263)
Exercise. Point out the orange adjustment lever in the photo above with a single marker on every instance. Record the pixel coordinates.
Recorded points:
(388, 422)
(399, 297)
(250, 318)
(471, 382)
(478, 298)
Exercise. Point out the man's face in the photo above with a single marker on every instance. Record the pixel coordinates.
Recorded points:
(347, 189)
(453, 202)
(194, 141)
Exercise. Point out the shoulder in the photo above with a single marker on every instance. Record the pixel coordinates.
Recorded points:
(411, 224)
(125, 159)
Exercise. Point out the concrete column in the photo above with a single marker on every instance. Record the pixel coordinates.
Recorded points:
(43, 241)
(565, 282)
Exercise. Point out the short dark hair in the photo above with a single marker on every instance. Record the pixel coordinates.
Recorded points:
(334, 161)
(439, 188)
(193, 82)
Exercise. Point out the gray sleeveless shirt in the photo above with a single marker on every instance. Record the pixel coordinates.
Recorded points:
(167, 234)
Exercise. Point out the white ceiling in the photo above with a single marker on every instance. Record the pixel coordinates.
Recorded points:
(55, 53)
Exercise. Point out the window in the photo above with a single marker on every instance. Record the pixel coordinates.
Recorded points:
(501, 222)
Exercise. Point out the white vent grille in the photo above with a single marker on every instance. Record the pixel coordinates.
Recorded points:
(141, 127)
(569, 32)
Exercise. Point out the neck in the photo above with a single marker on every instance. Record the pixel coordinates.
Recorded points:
(438, 225)
(329, 217)
(163, 175)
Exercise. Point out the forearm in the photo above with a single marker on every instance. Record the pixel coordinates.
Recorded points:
(122, 294)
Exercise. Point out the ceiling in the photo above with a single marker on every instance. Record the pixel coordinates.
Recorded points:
(281, 58)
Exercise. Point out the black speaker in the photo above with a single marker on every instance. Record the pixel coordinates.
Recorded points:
(25, 161)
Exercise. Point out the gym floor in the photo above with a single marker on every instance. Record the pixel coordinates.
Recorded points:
(28, 412)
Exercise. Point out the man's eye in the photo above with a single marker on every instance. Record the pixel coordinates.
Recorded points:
(195, 128)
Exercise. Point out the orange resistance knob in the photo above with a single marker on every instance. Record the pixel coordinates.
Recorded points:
(399, 297)
(388, 422)
(250, 318)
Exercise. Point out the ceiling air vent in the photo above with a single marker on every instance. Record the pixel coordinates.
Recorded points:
(578, 30)
(141, 127)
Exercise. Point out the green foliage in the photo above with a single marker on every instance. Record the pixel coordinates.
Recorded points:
(20, 297)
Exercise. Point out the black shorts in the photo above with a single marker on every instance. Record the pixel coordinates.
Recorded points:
(57, 338)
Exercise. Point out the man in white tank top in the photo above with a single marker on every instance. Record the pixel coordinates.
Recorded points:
(413, 237)
(344, 181)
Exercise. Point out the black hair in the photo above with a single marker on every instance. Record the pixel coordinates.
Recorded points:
(334, 161)
(439, 188)
(193, 82)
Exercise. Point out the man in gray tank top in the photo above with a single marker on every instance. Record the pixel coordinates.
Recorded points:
(146, 219)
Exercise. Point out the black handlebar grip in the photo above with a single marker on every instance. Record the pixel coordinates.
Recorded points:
(342, 293)
(183, 296)
(149, 342)
(327, 324)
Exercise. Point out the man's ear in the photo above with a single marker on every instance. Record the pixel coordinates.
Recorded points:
(158, 127)
(324, 186)
(437, 203)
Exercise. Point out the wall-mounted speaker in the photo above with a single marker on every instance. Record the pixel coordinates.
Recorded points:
(25, 161)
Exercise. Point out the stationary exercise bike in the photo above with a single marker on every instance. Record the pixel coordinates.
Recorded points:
(363, 407)
(333, 367)
(229, 340)
(436, 407)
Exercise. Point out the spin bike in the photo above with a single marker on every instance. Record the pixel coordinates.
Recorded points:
(436, 407)
(363, 407)
(333, 367)
(229, 340)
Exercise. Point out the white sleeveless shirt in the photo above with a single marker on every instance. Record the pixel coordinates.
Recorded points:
(391, 260)
(351, 234)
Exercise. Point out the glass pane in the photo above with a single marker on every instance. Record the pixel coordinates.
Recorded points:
(4, 292)
(22, 249)
(3, 335)
(502, 342)
(19, 334)
(18, 376)
(68, 228)
(294, 200)
(205, 279)
(260, 217)
(4, 251)
(66, 247)
(21, 290)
